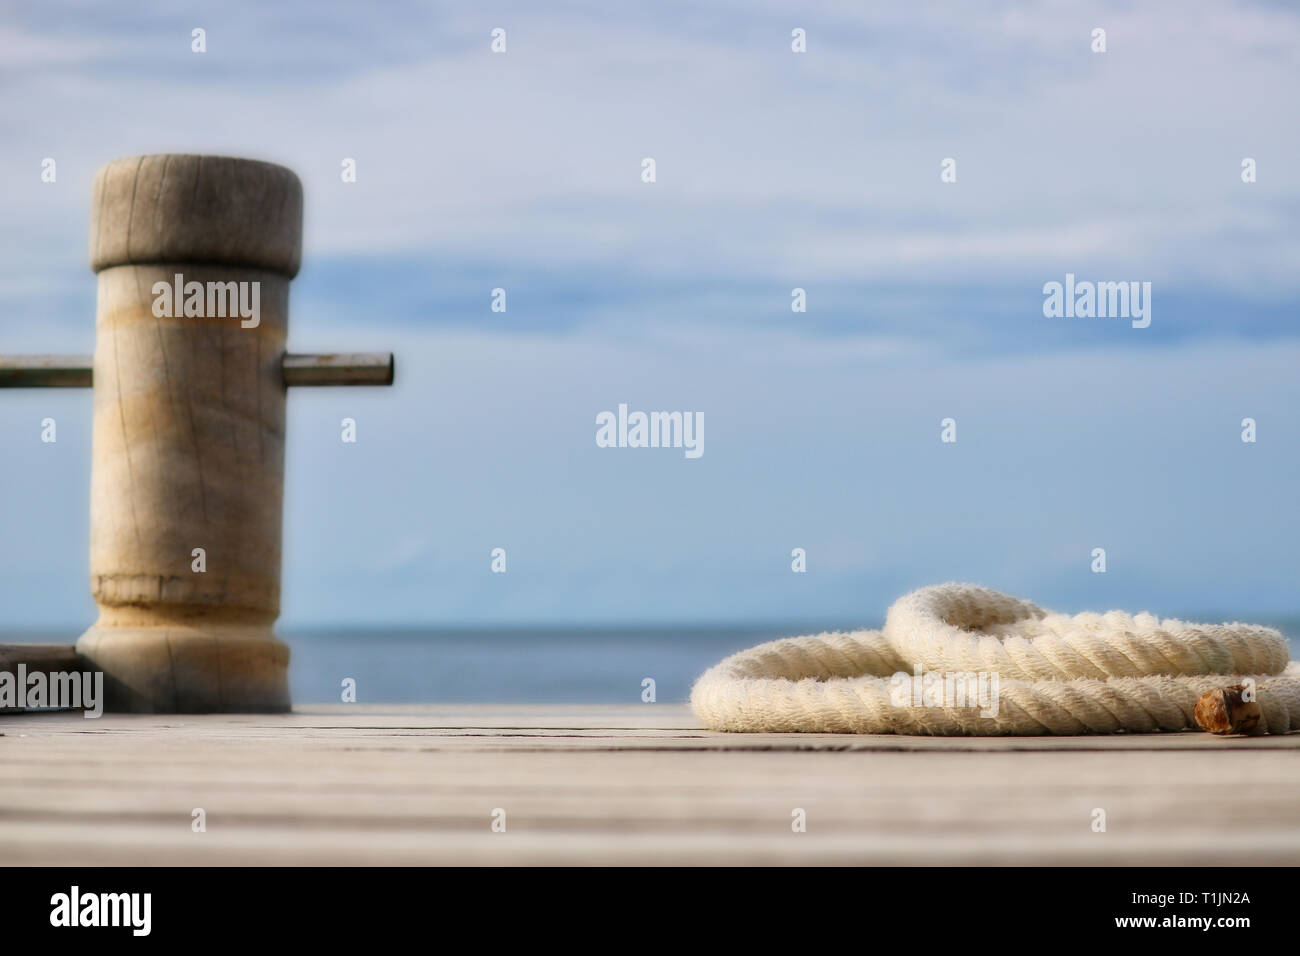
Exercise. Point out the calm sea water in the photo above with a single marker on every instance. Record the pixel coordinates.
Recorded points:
(503, 665)
(532, 665)
(527, 665)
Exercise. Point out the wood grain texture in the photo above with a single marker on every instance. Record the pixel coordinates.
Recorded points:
(355, 784)
(183, 208)
(189, 422)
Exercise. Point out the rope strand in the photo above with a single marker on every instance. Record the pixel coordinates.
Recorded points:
(959, 659)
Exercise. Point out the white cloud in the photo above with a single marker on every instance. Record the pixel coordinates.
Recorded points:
(825, 163)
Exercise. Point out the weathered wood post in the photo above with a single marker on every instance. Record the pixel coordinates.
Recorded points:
(194, 255)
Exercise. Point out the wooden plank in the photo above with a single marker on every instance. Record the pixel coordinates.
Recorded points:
(350, 784)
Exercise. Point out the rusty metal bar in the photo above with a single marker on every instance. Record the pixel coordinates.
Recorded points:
(75, 371)
(45, 371)
(339, 368)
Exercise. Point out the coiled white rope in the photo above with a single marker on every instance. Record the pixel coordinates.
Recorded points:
(960, 659)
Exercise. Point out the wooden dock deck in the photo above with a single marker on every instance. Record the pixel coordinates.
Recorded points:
(355, 784)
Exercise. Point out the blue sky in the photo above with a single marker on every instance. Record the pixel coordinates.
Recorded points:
(775, 170)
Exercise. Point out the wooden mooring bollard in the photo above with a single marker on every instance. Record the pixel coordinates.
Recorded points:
(193, 255)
